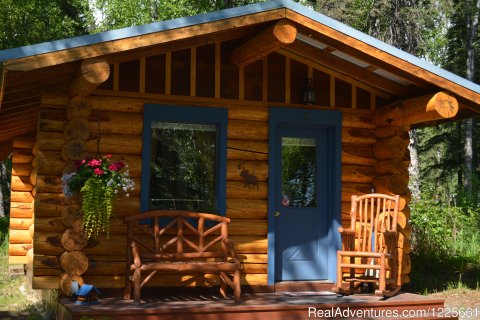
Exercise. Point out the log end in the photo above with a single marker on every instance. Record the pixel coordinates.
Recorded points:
(444, 104)
(285, 32)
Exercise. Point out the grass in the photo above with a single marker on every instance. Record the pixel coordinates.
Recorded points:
(17, 300)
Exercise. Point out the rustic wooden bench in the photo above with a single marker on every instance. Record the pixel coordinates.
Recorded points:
(180, 241)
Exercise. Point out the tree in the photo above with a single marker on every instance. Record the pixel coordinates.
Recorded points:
(119, 13)
(33, 21)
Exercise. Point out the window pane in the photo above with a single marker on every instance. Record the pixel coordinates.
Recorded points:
(298, 172)
(183, 167)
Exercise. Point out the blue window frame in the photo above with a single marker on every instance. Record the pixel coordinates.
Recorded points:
(184, 158)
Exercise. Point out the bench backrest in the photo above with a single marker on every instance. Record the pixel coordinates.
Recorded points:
(178, 235)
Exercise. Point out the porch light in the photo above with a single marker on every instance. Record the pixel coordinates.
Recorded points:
(309, 96)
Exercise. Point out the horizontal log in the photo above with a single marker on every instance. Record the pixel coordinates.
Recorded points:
(51, 119)
(48, 243)
(358, 136)
(91, 74)
(247, 150)
(262, 44)
(46, 184)
(391, 184)
(247, 209)
(18, 249)
(21, 205)
(54, 99)
(250, 243)
(124, 207)
(50, 163)
(21, 196)
(255, 113)
(350, 189)
(357, 154)
(21, 169)
(247, 171)
(242, 190)
(360, 174)
(17, 260)
(50, 141)
(357, 120)
(22, 156)
(440, 105)
(115, 143)
(45, 282)
(245, 129)
(20, 183)
(21, 213)
(116, 122)
(49, 224)
(23, 142)
(46, 262)
(20, 223)
(248, 227)
(387, 131)
(389, 166)
(394, 147)
(19, 237)
(50, 204)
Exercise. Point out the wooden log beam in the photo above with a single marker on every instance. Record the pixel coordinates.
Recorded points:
(427, 108)
(91, 74)
(276, 36)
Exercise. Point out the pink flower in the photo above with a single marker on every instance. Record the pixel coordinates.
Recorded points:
(83, 161)
(116, 166)
(98, 171)
(94, 163)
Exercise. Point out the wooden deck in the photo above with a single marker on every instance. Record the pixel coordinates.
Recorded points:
(257, 306)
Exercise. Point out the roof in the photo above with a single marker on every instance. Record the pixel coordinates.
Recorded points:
(26, 71)
(69, 43)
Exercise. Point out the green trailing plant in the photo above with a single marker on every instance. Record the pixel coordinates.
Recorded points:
(99, 182)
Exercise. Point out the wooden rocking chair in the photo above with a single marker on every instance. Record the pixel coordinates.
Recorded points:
(369, 246)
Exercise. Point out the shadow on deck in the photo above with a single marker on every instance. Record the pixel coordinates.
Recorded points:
(258, 306)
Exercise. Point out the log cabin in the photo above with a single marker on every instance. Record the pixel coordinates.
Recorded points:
(300, 112)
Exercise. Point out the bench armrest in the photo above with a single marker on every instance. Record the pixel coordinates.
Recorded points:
(136, 255)
(231, 249)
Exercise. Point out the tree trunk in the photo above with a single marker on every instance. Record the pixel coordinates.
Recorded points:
(414, 169)
(472, 25)
(3, 186)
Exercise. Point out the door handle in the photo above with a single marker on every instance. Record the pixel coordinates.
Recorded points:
(276, 214)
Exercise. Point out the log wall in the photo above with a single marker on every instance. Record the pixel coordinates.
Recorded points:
(115, 125)
(22, 200)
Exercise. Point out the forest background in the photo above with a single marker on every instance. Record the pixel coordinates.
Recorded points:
(445, 159)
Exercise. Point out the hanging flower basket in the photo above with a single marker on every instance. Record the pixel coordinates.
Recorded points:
(99, 181)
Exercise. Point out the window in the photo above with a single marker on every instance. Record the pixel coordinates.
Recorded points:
(184, 159)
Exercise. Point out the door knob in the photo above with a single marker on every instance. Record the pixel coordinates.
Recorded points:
(276, 214)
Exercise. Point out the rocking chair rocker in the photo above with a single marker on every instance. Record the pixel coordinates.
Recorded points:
(369, 246)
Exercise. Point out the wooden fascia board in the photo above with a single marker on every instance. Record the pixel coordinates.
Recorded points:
(120, 45)
(3, 76)
(378, 54)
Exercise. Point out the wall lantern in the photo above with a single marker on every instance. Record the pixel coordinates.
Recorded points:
(309, 93)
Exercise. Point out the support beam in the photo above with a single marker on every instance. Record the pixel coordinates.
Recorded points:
(276, 36)
(427, 108)
(91, 74)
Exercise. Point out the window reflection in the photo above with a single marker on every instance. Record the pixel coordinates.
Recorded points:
(183, 166)
(298, 172)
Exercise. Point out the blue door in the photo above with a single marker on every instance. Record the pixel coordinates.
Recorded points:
(303, 195)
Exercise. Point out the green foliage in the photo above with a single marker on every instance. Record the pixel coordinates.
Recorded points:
(99, 181)
(32, 21)
(97, 205)
(446, 245)
(119, 13)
